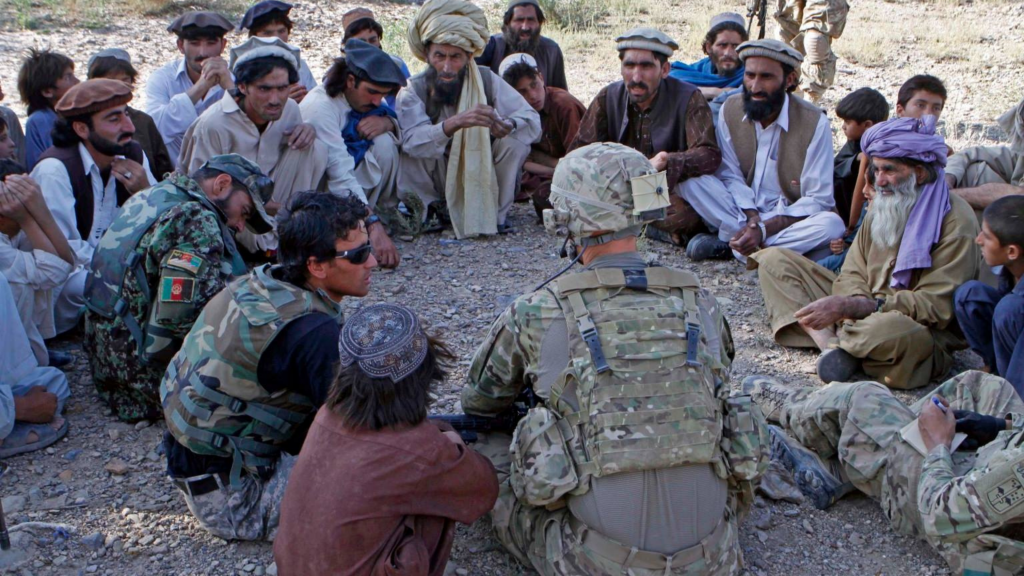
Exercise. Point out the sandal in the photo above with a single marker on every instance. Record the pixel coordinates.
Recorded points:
(17, 441)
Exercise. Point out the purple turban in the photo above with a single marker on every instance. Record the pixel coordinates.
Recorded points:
(915, 139)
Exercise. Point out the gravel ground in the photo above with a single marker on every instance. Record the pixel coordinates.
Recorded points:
(105, 481)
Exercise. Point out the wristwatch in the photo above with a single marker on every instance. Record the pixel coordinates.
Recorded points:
(371, 220)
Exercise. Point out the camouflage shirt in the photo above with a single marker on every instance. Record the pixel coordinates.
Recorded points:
(185, 252)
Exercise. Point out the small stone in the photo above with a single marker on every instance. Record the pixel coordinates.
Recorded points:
(272, 569)
(807, 527)
(792, 513)
(405, 238)
(764, 521)
(141, 424)
(462, 572)
(260, 571)
(51, 451)
(761, 535)
(72, 454)
(114, 434)
(249, 567)
(92, 568)
(110, 541)
(856, 539)
(66, 476)
(94, 541)
(146, 540)
(14, 504)
(117, 467)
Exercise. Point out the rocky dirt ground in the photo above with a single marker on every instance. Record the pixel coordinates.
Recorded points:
(105, 485)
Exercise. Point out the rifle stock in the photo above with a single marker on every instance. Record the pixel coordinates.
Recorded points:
(468, 425)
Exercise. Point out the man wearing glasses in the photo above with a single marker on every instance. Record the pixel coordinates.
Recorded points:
(239, 396)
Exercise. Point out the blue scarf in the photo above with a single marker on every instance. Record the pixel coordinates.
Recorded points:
(701, 73)
(356, 144)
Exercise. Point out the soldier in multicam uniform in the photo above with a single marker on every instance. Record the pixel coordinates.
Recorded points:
(239, 396)
(637, 461)
(810, 26)
(847, 435)
(170, 249)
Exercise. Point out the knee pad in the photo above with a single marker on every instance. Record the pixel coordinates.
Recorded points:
(817, 46)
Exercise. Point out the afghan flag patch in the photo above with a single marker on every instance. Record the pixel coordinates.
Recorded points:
(177, 289)
(186, 261)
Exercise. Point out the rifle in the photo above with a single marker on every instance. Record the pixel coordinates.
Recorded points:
(468, 425)
(757, 8)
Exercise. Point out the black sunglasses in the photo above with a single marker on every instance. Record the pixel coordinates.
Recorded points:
(357, 255)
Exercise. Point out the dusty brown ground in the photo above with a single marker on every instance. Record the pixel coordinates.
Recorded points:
(142, 524)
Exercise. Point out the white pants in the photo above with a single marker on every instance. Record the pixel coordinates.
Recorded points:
(19, 369)
(426, 176)
(378, 172)
(69, 304)
(712, 200)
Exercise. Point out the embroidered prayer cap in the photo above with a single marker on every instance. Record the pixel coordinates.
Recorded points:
(386, 340)
(201, 19)
(258, 184)
(519, 58)
(261, 9)
(117, 53)
(257, 47)
(373, 62)
(647, 39)
(726, 17)
(354, 15)
(93, 96)
(770, 48)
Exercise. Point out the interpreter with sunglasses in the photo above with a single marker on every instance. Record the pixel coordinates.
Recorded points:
(239, 396)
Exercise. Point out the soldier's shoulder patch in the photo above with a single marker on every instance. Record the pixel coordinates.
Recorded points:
(1010, 492)
(186, 261)
(177, 289)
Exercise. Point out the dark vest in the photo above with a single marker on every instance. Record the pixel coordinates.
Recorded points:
(668, 115)
(418, 83)
(793, 144)
(81, 186)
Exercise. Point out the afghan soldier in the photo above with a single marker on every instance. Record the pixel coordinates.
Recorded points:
(631, 412)
(959, 501)
(240, 395)
(810, 26)
(168, 252)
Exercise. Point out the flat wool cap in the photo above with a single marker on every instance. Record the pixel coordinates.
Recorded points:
(727, 17)
(513, 3)
(354, 15)
(257, 47)
(373, 62)
(647, 39)
(200, 20)
(93, 96)
(261, 9)
(774, 49)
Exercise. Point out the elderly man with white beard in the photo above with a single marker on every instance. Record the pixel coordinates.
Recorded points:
(889, 313)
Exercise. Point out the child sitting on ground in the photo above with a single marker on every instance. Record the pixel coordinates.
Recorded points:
(859, 110)
(992, 319)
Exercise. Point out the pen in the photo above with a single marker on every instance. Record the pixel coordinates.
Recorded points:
(935, 400)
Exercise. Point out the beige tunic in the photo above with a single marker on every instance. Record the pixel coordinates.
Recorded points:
(910, 340)
(224, 128)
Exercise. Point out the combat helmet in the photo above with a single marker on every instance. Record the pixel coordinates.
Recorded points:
(604, 192)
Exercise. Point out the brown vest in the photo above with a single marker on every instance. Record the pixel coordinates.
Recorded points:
(668, 116)
(793, 144)
(81, 186)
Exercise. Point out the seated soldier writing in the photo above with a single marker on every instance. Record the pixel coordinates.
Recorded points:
(378, 488)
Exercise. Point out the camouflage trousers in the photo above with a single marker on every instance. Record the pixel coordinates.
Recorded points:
(859, 423)
(251, 511)
(810, 26)
(128, 386)
(554, 543)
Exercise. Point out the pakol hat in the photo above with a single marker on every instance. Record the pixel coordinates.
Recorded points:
(93, 96)
(202, 19)
(647, 39)
(373, 63)
(769, 48)
(261, 9)
(257, 47)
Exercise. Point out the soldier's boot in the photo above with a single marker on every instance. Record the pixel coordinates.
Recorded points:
(770, 395)
(823, 482)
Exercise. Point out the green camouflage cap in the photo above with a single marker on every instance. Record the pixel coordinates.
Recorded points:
(258, 184)
(591, 190)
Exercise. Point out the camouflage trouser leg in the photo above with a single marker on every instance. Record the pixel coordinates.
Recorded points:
(251, 511)
(553, 543)
(860, 423)
(810, 26)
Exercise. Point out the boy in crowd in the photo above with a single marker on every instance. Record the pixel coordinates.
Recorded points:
(859, 110)
(376, 479)
(116, 64)
(43, 79)
(35, 257)
(8, 148)
(992, 319)
(12, 139)
(270, 19)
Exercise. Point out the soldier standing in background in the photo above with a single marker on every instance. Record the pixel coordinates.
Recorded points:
(169, 251)
(637, 461)
(810, 26)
